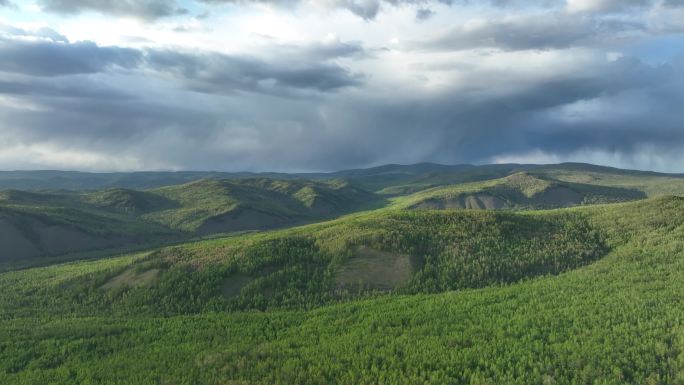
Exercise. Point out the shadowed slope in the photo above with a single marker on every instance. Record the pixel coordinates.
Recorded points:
(53, 223)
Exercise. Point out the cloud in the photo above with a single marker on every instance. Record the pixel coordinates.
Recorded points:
(557, 85)
(290, 69)
(538, 31)
(144, 9)
(424, 13)
(75, 88)
(44, 33)
(49, 58)
(605, 5)
(219, 73)
(331, 48)
(592, 105)
(369, 9)
(366, 9)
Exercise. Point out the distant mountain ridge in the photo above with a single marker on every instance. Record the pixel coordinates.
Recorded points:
(37, 224)
(372, 177)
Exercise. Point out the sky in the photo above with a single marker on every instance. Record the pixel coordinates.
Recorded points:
(322, 85)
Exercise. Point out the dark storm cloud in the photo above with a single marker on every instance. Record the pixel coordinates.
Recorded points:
(557, 115)
(38, 89)
(460, 126)
(260, 131)
(50, 58)
(298, 107)
(145, 9)
(543, 31)
(217, 73)
(294, 68)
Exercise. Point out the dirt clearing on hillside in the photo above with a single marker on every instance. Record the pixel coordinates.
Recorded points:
(376, 270)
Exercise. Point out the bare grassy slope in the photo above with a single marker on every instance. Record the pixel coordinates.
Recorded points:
(516, 191)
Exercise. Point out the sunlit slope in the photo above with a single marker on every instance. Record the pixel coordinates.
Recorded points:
(517, 191)
(379, 252)
(401, 252)
(616, 320)
(40, 224)
(651, 183)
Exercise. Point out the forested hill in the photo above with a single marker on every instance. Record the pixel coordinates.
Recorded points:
(43, 226)
(35, 225)
(394, 178)
(571, 296)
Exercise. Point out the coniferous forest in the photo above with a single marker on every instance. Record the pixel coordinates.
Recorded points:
(394, 293)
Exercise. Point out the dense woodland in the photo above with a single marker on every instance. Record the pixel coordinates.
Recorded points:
(575, 296)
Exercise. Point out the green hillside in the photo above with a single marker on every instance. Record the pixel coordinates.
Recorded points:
(653, 184)
(570, 296)
(62, 224)
(37, 234)
(518, 191)
(127, 201)
(41, 224)
(347, 258)
(565, 274)
(256, 203)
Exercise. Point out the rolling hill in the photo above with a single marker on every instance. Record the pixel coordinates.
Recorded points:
(40, 233)
(208, 206)
(392, 180)
(588, 294)
(48, 224)
(62, 224)
(518, 191)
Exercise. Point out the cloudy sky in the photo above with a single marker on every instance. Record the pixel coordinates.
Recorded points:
(313, 85)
